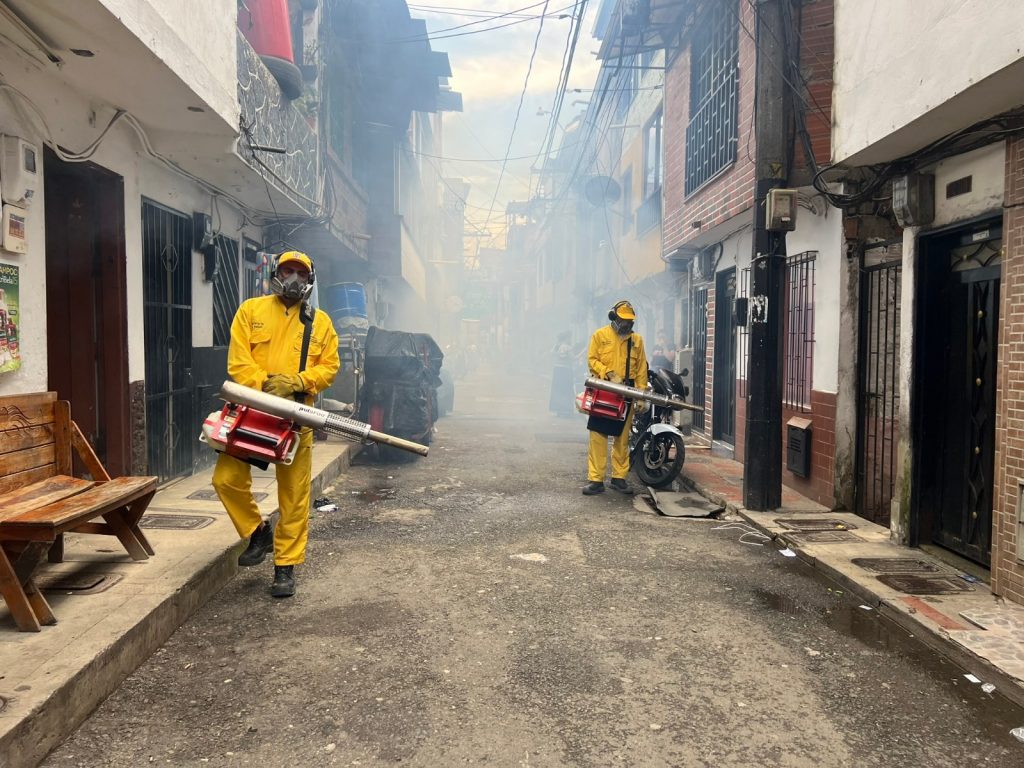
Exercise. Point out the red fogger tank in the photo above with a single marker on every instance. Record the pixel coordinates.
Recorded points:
(250, 435)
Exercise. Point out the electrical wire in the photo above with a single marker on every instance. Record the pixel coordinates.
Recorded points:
(493, 17)
(432, 36)
(519, 109)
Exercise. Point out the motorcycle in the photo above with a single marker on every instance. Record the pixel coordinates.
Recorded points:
(656, 449)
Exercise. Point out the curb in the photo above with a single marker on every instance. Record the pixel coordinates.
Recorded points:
(1007, 686)
(55, 719)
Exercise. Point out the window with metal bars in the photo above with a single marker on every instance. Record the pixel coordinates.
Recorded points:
(798, 364)
(225, 289)
(711, 134)
(743, 334)
(255, 270)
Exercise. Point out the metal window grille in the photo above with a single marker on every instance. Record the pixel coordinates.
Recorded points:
(714, 74)
(799, 352)
(225, 289)
(252, 271)
(743, 332)
(700, 354)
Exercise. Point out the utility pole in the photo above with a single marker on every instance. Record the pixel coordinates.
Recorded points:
(762, 476)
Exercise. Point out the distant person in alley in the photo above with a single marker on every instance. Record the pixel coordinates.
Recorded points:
(282, 346)
(617, 354)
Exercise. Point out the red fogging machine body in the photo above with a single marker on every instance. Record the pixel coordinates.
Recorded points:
(250, 435)
(607, 405)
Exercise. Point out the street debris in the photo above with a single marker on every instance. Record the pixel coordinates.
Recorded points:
(324, 504)
(988, 687)
(676, 505)
(749, 531)
(812, 652)
(787, 552)
(531, 557)
(867, 607)
(1018, 734)
(972, 679)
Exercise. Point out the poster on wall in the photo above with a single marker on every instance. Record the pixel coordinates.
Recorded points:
(10, 352)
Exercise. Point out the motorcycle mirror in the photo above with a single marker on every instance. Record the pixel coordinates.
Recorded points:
(685, 372)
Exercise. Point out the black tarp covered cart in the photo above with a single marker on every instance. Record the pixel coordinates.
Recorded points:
(399, 393)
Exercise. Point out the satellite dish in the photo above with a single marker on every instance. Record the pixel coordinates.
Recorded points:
(602, 190)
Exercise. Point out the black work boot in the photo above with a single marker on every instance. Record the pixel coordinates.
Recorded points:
(284, 581)
(620, 485)
(260, 543)
(593, 488)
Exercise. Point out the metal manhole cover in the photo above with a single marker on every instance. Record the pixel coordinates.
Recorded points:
(894, 565)
(925, 585)
(84, 583)
(175, 522)
(208, 494)
(823, 537)
(815, 524)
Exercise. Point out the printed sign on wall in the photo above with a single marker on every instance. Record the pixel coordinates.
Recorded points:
(10, 353)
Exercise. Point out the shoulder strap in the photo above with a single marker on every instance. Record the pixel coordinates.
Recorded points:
(306, 316)
(629, 356)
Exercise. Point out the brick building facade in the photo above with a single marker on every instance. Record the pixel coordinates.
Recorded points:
(1007, 555)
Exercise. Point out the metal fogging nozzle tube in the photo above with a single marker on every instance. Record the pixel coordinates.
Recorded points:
(633, 393)
(308, 416)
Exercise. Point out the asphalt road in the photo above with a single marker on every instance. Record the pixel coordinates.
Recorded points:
(474, 608)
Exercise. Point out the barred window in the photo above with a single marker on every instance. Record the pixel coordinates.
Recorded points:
(743, 333)
(225, 289)
(714, 72)
(799, 331)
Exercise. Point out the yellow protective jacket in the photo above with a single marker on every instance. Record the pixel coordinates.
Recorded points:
(266, 338)
(608, 353)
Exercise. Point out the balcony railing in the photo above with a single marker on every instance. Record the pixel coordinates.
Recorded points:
(711, 136)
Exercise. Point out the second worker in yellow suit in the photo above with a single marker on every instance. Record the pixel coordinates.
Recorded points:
(610, 347)
(264, 354)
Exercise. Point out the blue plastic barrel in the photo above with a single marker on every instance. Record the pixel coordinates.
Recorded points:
(346, 301)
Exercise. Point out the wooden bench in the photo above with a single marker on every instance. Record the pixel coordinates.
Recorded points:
(41, 500)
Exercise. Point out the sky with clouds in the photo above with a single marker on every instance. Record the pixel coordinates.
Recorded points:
(488, 68)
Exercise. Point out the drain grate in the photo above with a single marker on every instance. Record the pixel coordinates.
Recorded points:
(894, 565)
(208, 494)
(822, 537)
(925, 585)
(176, 522)
(815, 524)
(84, 583)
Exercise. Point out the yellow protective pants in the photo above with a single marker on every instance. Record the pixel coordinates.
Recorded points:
(597, 455)
(232, 479)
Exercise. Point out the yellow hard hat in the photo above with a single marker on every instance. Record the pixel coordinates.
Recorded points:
(297, 257)
(623, 311)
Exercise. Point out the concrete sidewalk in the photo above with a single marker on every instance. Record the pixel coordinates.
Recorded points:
(113, 613)
(965, 622)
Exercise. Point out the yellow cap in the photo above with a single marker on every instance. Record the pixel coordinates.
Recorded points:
(624, 311)
(297, 257)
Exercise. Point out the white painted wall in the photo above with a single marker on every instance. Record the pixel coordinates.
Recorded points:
(76, 122)
(823, 232)
(987, 169)
(195, 39)
(927, 67)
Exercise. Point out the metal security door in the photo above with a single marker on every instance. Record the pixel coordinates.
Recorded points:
(878, 397)
(724, 401)
(700, 353)
(171, 421)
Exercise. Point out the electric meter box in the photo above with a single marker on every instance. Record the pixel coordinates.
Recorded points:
(19, 171)
(781, 210)
(15, 234)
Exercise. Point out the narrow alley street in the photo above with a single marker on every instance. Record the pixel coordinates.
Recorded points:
(474, 608)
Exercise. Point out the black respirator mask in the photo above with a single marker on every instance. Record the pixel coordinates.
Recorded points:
(622, 327)
(293, 286)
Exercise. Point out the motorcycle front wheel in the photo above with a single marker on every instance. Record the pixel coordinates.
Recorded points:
(659, 459)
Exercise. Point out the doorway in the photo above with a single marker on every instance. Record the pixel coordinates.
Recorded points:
(171, 414)
(723, 422)
(86, 298)
(956, 388)
(700, 354)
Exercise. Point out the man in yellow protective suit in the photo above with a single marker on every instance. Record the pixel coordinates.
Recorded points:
(267, 338)
(610, 349)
